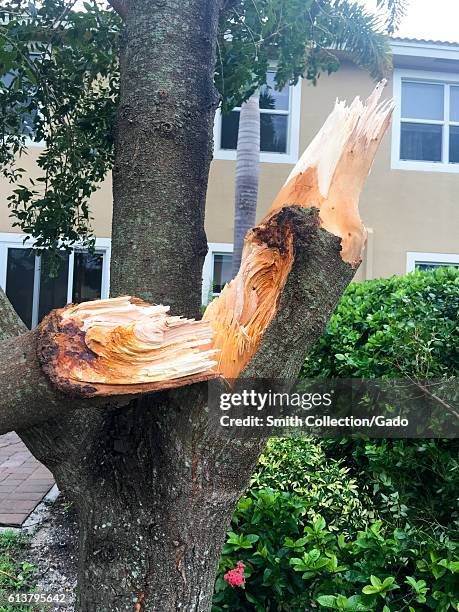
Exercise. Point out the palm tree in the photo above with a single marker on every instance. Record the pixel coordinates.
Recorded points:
(333, 25)
(247, 167)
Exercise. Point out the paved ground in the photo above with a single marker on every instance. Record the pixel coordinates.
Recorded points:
(23, 481)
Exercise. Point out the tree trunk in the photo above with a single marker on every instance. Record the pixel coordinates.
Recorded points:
(163, 150)
(154, 499)
(154, 481)
(247, 170)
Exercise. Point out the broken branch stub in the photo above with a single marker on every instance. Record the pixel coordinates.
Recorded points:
(328, 177)
(123, 346)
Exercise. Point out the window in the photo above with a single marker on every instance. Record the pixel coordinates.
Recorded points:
(32, 290)
(428, 261)
(27, 118)
(426, 121)
(279, 125)
(222, 267)
(217, 269)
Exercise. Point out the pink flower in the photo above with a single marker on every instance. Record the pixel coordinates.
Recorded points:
(235, 577)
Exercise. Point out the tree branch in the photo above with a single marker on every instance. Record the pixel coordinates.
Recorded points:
(120, 6)
(10, 324)
(329, 178)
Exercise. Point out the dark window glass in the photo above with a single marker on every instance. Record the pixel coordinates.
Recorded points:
(273, 126)
(26, 119)
(53, 289)
(222, 270)
(271, 98)
(421, 141)
(230, 128)
(424, 265)
(20, 269)
(454, 144)
(87, 276)
(273, 135)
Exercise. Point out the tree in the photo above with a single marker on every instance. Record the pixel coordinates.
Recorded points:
(303, 36)
(247, 170)
(154, 483)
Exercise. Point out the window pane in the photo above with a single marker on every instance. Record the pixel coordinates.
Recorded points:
(26, 120)
(87, 276)
(430, 265)
(53, 289)
(230, 127)
(20, 267)
(273, 135)
(454, 104)
(420, 141)
(422, 101)
(222, 270)
(454, 144)
(271, 98)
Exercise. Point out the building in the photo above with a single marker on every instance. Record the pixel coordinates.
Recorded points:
(410, 203)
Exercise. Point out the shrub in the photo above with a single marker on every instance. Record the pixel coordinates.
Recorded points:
(359, 524)
(294, 564)
(392, 327)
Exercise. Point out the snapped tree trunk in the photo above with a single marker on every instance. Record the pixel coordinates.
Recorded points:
(247, 170)
(151, 477)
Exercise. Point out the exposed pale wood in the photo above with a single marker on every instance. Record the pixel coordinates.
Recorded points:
(329, 177)
(123, 346)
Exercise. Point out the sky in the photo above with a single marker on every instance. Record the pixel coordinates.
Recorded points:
(431, 19)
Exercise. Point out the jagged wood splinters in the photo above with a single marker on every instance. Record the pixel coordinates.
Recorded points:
(123, 346)
(329, 177)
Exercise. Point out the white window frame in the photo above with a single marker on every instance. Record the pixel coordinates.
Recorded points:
(10, 240)
(436, 78)
(293, 132)
(414, 258)
(214, 248)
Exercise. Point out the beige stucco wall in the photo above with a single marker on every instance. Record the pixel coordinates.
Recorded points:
(407, 211)
(101, 201)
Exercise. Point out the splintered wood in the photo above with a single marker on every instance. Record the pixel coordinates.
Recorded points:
(122, 346)
(126, 346)
(329, 176)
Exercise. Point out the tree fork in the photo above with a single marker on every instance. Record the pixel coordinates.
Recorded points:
(159, 462)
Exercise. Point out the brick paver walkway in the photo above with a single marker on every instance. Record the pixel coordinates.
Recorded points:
(23, 481)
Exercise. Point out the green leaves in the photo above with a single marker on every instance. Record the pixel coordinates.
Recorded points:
(419, 588)
(378, 587)
(59, 69)
(341, 602)
(300, 35)
(238, 542)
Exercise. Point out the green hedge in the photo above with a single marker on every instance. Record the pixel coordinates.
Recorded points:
(359, 524)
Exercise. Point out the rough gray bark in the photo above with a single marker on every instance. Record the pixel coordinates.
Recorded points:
(163, 149)
(247, 171)
(153, 482)
(10, 324)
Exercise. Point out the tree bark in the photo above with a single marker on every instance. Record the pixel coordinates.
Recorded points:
(154, 482)
(163, 149)
(247, 171)
(11, 325)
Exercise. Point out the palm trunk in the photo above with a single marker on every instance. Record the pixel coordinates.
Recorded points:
(247, 170)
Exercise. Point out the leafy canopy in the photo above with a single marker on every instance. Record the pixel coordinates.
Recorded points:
(59, 83)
